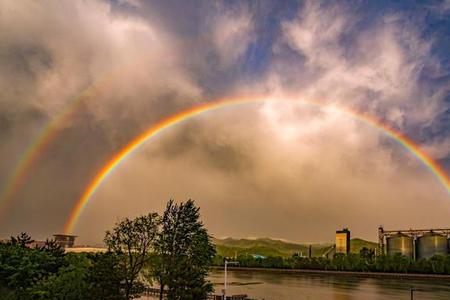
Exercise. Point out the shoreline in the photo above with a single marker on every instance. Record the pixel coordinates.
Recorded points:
(342, 273)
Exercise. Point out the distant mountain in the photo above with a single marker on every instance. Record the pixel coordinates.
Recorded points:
(357, 244)
(273, 247)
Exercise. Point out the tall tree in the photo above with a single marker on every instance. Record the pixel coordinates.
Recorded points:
(22, 240)
(132, 240)
(105, 276)
(185, 253)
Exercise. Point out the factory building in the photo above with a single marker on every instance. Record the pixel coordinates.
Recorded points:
(414, 244)
(343, 241)
(65, 240)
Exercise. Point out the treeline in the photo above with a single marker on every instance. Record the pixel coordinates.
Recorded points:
(173, 251)
(365, 261)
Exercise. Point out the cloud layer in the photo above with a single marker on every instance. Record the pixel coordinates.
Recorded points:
(288, 171)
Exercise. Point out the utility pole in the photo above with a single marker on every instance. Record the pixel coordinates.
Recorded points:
(224, 291)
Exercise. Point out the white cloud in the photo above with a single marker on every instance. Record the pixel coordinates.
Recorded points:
(231, 32)
(374, 68)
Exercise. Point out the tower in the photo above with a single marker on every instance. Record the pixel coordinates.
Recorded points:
(343, 241)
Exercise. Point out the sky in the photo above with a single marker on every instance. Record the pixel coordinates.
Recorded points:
(281, 170)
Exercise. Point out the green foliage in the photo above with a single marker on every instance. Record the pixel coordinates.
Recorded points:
(185, 251)
(22, 267)
(70, 282)
(269, 247)
(105, 276)
(367, 254)
(21, 240)
(132, 240)
(365, 261)
(175, 251)
(53, 248)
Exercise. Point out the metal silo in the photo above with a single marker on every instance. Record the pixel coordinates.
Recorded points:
(431, 244)
(400, 243)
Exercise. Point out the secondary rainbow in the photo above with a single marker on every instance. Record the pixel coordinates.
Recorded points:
(38, 145)
(184, 115)
(49, 132)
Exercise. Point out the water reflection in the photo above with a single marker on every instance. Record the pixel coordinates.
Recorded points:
(278, 286)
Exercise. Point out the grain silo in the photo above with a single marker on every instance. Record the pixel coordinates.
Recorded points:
(400, 243)
(430, 244)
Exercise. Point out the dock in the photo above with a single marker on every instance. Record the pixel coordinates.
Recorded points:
(155, 292)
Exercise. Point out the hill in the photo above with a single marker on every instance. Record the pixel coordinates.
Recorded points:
(357, 244)
(273, 247)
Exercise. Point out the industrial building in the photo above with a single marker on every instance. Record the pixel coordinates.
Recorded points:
(414, 243)
(65, 240)
(343, 241)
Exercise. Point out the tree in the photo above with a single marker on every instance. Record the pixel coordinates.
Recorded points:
(105, 276)
(22, 267)
(132, 240)
(69, 282)
(185, 252)
(22, 240)
(367, 254)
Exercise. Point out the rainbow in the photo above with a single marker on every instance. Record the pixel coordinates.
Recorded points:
(184, 115)
(35, 149)
(47, 134)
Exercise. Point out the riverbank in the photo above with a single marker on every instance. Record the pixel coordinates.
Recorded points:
(343, 273)
(282, 285)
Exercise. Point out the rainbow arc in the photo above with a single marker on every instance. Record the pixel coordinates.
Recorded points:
(187, 114)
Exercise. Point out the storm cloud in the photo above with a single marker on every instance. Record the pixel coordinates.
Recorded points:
(291, 171)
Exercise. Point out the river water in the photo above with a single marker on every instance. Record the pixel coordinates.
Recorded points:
(278, 286)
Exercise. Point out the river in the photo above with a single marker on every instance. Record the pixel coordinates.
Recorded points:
(278, 286)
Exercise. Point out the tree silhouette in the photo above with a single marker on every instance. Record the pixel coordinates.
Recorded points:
(185, 252)
(22, 240)
(132, 240)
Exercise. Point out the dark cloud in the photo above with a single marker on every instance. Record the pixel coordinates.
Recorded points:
(212, 147)
(257, 170)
